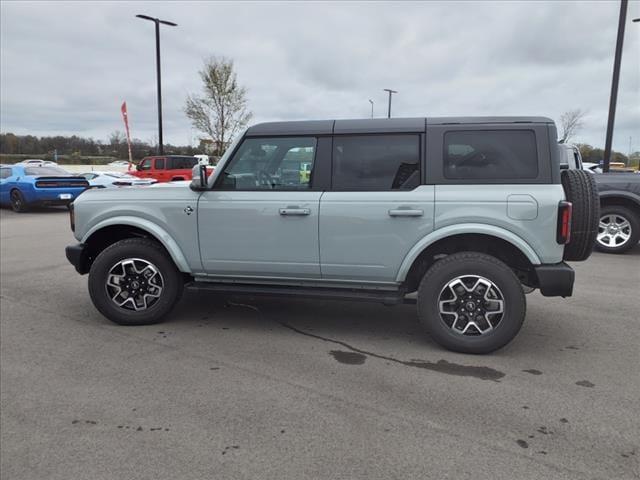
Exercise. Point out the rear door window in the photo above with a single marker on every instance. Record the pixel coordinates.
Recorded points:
(159, 164)
(490, 154)
(376, 162)
(181, 163)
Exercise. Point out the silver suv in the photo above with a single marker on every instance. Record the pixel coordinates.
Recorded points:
(462, 211)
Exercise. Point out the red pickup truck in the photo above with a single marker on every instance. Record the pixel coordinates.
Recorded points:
(167, 168)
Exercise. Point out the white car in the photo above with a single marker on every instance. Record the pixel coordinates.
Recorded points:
(34, 162)
(592, 167)
(99, 179)
(203, 159)
(119, 163)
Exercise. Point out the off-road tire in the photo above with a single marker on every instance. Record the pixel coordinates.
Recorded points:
(474, 264)
(634, 222)
(18, 203)
(149, 251)
(581, 190)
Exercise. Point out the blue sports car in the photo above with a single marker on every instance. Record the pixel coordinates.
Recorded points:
(22, 186)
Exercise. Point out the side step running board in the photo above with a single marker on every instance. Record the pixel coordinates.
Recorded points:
(393, 297)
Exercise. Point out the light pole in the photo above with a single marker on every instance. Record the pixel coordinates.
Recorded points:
(614, 85)
(635, 20)
(157, 21)
(371, 102)
(391, 92)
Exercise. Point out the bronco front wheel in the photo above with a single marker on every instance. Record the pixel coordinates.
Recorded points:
(471, 302)
(134, 282)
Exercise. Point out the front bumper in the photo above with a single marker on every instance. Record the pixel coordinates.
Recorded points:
(78, 256)
(555, 280)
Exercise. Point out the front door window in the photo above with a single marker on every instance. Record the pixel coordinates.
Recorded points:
(271, 164)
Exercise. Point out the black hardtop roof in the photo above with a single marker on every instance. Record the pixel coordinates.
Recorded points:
(377, 125)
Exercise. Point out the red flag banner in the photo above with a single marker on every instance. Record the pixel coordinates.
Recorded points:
(125, 118)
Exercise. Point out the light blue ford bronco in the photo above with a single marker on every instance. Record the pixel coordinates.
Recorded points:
(465, 213)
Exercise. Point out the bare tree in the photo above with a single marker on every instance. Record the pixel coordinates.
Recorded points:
(116, 138)
(221, 112)
(571, 123)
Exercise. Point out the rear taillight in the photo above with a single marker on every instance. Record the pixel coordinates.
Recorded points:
(563, 235)
(72, 217)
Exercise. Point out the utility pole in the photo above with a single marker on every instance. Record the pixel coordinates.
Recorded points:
(371, 102)
(614, 85)
(635, 20)
(391, 92)
(157, 21)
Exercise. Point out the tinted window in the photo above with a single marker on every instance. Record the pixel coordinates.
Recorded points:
(5, 173)
(490, 154)
(45, 171)
(159, 164)
(271, 164)
(376, 162)
(182, 163)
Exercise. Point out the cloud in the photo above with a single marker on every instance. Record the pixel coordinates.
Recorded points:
(66, 66)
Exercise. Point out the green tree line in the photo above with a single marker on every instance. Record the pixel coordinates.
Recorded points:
(596, 155)
(75, 147)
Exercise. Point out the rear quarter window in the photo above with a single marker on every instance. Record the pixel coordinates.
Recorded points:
(490, 154)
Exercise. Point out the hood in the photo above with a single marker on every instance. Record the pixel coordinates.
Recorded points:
(179, 183)
(135, 194)
(628, 182)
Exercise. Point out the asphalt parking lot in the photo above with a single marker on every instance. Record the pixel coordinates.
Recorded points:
(249, 388)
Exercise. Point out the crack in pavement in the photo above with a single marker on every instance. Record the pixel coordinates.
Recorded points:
(441, 366)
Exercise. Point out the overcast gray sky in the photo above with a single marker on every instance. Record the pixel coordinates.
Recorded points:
(67, 66)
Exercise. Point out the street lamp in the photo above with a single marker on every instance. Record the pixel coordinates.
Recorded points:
(614, 85)
(635, 20)
(371, 102)
(157, 21)
(391, 92)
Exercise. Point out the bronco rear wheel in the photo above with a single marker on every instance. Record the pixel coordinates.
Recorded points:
(471, 302)
(134, 282)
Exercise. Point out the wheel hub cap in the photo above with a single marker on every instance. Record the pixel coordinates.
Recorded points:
(613, 230)
(134, 284)
(471, 305)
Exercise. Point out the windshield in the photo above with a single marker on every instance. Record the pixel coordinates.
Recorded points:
(225, 157)
(47, 170)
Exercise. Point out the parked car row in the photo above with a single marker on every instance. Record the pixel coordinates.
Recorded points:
(25, 185)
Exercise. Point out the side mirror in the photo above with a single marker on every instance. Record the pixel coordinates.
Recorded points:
(198, 177)
(138, 167)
